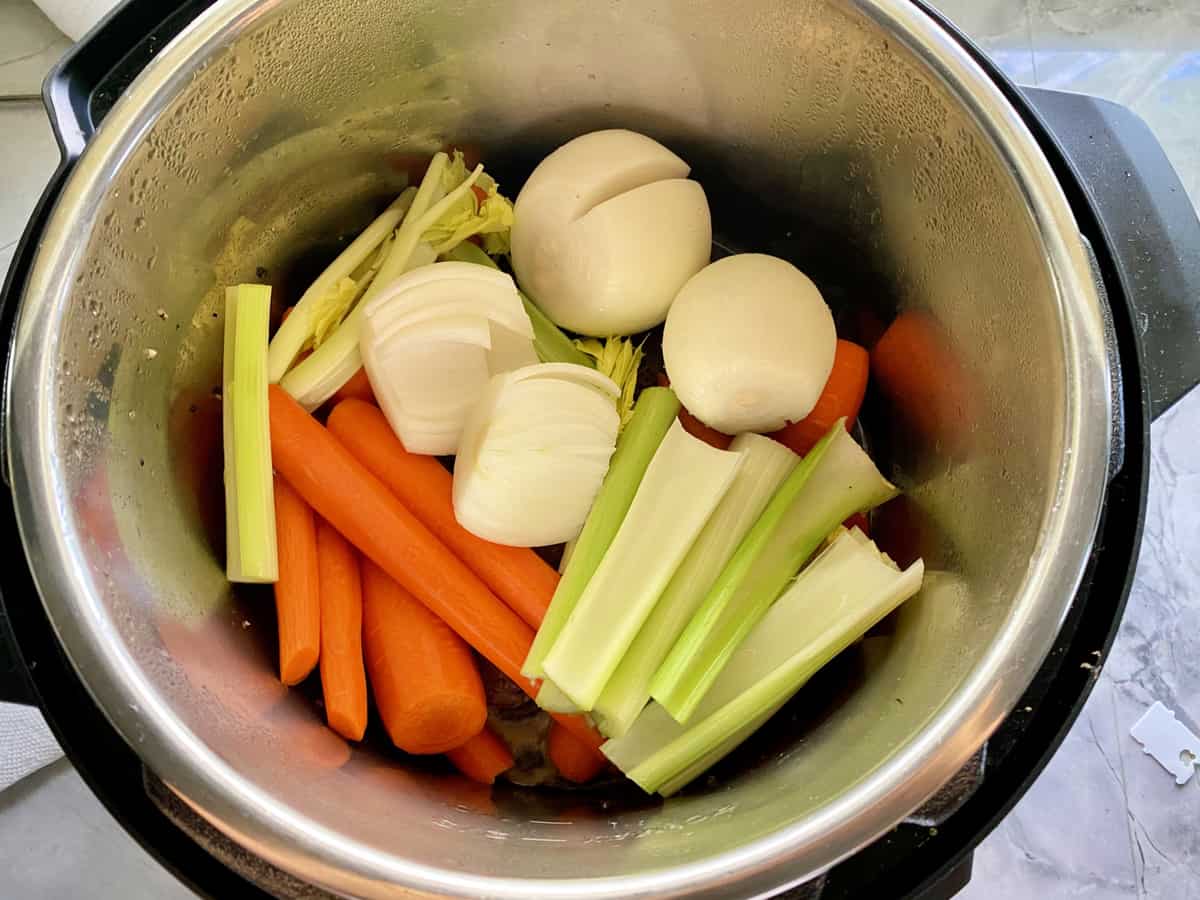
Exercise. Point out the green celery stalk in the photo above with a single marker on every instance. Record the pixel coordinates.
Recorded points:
(848, 589)
(251, 554)
(765, 464)
(551, 344)
(551, 698)
(655, 411)
(834, 481)
(298, 328)
(334, 363)
(681, 488)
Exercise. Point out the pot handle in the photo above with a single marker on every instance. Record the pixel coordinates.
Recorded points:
(83, 86)
(1150, 225)
(78, 92)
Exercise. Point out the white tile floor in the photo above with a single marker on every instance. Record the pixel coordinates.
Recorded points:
(1103, 821)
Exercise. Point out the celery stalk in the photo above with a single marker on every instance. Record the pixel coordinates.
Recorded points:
(249, 491)
(834, 481)
(295, 332)
(682, 486)
(846, 590)
(765, 464)
(334, 363)
(655, 411)
(551, 698)
(551, 344)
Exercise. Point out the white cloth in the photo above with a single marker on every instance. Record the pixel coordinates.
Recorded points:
(74, 18)
(26, 743)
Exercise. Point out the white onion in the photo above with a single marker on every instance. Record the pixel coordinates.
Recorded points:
(533, 453)
(749, 344)
(432, 339)
(606, 230)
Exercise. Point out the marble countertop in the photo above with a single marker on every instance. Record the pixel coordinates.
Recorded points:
(1103, 820)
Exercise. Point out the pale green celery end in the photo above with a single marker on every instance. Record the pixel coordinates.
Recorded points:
(551, 698)
(292, 334)
(551, 344)
(233, 549)
(255, 512)
(334, 363)
(681, 488)
(850, 558)
(673, 684)
(701, 740)
(765, 466)
(655, 411)
(691, 773)
(795, 526)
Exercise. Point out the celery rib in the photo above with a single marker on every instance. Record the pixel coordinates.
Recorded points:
(681, 488)
(766, 463)
(839, 597)
(652, 417)
(834, 481)
(251, 554)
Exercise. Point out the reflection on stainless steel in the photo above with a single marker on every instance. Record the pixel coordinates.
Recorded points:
(853, 137)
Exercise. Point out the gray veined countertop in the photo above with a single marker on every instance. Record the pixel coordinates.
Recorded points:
(1104, 820)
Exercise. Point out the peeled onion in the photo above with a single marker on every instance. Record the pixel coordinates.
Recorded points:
(606, 230)
(749, 344)
(431, 341)
(533, 453)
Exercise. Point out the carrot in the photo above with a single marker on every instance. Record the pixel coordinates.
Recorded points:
(359, 386)
(343, 680)
(924, 381)
(423, 677)
(695, 427)
(297, 601)
(575, 760)
(483, 757)
(374, 520)
(517, 575)
(842, 396)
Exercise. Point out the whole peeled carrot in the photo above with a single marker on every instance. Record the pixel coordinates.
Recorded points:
(423, 677)
(358, 387)
(374, 520)
(841, 397)
(343, 680)
(297, 601)
(574, 759)
(483, 757)
(517, 575)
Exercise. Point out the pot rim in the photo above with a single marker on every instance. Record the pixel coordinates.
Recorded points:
(792, 854)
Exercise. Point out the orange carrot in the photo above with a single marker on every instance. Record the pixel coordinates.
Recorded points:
(575, 760)
(517, 575)
(423, 677)
(374, 520)
(926, 384)
(695, 427)
(842, 396)
(483, 757)
(359, 386)
(297, 601)
(343, 680)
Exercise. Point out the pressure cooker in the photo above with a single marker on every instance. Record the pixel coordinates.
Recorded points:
(867, 141)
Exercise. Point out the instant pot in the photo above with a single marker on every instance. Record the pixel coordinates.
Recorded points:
(1043, 234)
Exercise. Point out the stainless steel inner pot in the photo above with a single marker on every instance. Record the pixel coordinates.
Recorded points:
(854, 137)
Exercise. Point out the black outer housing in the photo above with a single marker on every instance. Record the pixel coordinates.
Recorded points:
(1128, 203)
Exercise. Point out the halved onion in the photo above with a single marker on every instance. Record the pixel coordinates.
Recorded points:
(432, 339)
(533, 453)
(606, 230)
